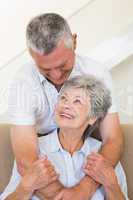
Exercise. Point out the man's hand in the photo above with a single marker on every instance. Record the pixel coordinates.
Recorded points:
(100, 169)
(40, 174)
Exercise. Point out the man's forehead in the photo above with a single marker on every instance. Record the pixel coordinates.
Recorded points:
(53, 59)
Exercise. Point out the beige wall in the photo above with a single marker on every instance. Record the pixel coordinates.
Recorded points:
(123, 83)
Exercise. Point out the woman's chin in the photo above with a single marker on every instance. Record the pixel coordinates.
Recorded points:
(67, 126)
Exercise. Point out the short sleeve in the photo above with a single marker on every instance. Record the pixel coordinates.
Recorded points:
(21, 103)
(109, 83)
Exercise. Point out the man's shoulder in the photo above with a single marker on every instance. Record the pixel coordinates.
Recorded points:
(88, 65)
(26, 75)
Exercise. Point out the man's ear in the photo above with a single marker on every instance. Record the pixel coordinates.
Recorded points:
(74, 41)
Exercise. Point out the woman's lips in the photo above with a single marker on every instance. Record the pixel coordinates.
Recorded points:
(66, 115)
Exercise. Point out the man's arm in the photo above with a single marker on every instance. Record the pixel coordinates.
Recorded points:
(112, 138)
(112, 147)
(19, 194)
(114, 192)
(40, 173)
(105, 176)
(25, 145)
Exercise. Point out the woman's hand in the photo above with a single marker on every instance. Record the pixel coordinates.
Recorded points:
(100, 169)
(40, 174)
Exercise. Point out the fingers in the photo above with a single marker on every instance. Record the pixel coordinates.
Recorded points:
(59, 196)
(43, 167)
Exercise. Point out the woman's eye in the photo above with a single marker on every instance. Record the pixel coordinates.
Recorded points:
(77, 101)
(62, 98)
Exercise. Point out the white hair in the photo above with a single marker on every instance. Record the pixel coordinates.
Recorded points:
(45, 31)
(98, 94)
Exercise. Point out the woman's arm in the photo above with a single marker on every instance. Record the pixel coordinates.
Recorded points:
(21, 193)
(105, 175)
(40, 174)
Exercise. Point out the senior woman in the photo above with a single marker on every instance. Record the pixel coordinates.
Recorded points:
(69, 152)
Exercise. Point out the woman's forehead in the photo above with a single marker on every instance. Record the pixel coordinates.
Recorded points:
(74, 92)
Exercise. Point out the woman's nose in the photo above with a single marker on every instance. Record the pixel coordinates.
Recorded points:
(67, 105)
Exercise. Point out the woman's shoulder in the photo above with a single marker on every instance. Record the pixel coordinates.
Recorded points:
(47, 143)
(93, 144)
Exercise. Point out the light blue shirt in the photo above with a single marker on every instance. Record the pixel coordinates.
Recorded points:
(69, 167)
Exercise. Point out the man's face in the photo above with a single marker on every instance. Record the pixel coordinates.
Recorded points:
(57, 65)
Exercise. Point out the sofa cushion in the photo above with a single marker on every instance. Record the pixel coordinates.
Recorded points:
(6, 156)
(127, 157)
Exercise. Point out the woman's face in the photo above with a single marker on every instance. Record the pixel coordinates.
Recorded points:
(72, 109)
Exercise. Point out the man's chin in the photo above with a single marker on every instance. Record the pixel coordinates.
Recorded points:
(56, 83)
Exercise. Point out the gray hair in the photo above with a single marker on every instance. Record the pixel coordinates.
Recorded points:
(98, 94)
(45, 31)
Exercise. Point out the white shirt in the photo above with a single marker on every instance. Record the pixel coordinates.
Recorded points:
(69, 167)
(32, 98)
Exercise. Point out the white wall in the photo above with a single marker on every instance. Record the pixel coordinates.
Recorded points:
(96, 21)
(101, 20)
(93, 20)
(14, 16)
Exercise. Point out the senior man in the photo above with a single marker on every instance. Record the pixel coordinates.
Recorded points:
(34, 92)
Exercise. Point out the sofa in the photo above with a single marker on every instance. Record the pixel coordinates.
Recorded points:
(6, 156)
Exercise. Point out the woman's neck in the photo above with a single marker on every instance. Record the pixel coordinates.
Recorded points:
(71, 139)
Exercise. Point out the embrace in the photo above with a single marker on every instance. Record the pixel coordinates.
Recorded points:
(70, 153)
(59, 96)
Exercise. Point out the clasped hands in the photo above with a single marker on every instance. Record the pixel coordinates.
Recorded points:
(42, 176)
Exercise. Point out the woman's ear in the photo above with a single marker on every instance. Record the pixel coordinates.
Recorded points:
(74, 41)
(92, 120)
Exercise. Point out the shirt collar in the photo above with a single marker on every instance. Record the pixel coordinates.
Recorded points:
(85, 149)
(54, 142)
(41, 77)
(56, 146)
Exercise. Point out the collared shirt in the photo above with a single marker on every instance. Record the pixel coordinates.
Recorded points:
(68, 166)
(32, 97)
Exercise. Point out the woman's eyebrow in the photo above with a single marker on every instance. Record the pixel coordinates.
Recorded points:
(78, 96)
(64, 94)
